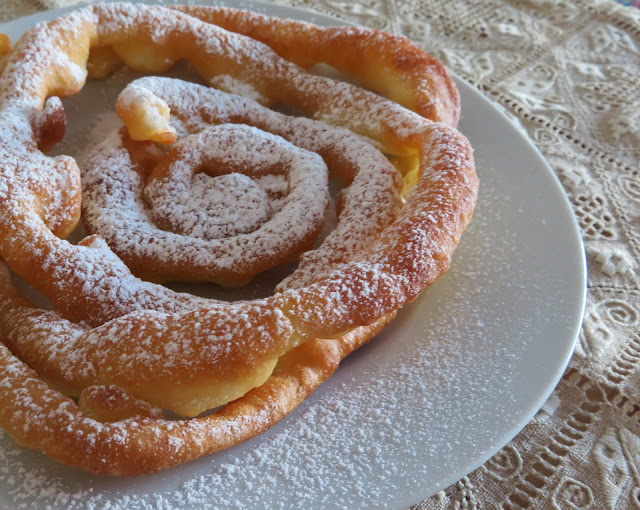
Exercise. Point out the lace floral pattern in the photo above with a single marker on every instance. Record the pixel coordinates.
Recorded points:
(569, 72)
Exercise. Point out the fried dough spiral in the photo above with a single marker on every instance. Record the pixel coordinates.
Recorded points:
(371, 201)
(127, 348)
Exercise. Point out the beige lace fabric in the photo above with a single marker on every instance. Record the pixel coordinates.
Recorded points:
(569, 71)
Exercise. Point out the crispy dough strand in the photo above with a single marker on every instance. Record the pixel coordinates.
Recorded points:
(60, 429)
(389, 64)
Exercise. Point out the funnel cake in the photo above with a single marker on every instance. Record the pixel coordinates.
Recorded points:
(87, 383)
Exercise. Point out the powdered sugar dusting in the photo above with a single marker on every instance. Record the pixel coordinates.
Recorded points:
(348, 282)
(235, 86)
(218, 208)
(355, 442)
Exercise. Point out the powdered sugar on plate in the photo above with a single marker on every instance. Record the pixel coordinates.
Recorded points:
(398, 412)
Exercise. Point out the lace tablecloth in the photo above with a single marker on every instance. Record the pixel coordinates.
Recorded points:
(570, 72)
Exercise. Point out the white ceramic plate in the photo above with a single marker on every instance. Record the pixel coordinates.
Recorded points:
(452, 380)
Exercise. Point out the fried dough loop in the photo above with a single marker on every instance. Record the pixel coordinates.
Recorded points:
(128, 348)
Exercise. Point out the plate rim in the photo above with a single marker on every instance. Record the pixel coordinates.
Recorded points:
(280, 10)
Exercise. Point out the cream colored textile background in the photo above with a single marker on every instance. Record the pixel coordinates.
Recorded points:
(570, 72)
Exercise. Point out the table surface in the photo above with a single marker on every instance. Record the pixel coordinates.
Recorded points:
(569, 73)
